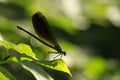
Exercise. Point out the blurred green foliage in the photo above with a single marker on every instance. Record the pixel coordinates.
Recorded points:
(88, 30)
(25, 59)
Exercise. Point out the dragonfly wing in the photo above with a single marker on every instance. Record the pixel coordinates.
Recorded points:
(42, 28)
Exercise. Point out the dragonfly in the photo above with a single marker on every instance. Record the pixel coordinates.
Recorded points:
(44, 32)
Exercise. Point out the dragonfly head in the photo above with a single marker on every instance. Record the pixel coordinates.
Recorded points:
(63, 52)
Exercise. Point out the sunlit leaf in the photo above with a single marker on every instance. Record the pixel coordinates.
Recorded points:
(20, 48)
(7, 45)
(57, 69)
(23, 48)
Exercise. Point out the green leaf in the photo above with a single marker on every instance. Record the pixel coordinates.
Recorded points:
(5, 75)
(23, 48)
(38, 72)
(20, 48)
(7, 45)
(57, 69)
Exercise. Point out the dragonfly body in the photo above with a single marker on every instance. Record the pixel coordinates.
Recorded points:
(43, 30)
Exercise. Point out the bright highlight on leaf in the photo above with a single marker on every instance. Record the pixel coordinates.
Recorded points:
(1, 39)
(20, 48)
(58, 65)
(23, 48)
(57, 69)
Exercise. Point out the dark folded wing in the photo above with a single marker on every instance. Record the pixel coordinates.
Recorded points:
(42, 28)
